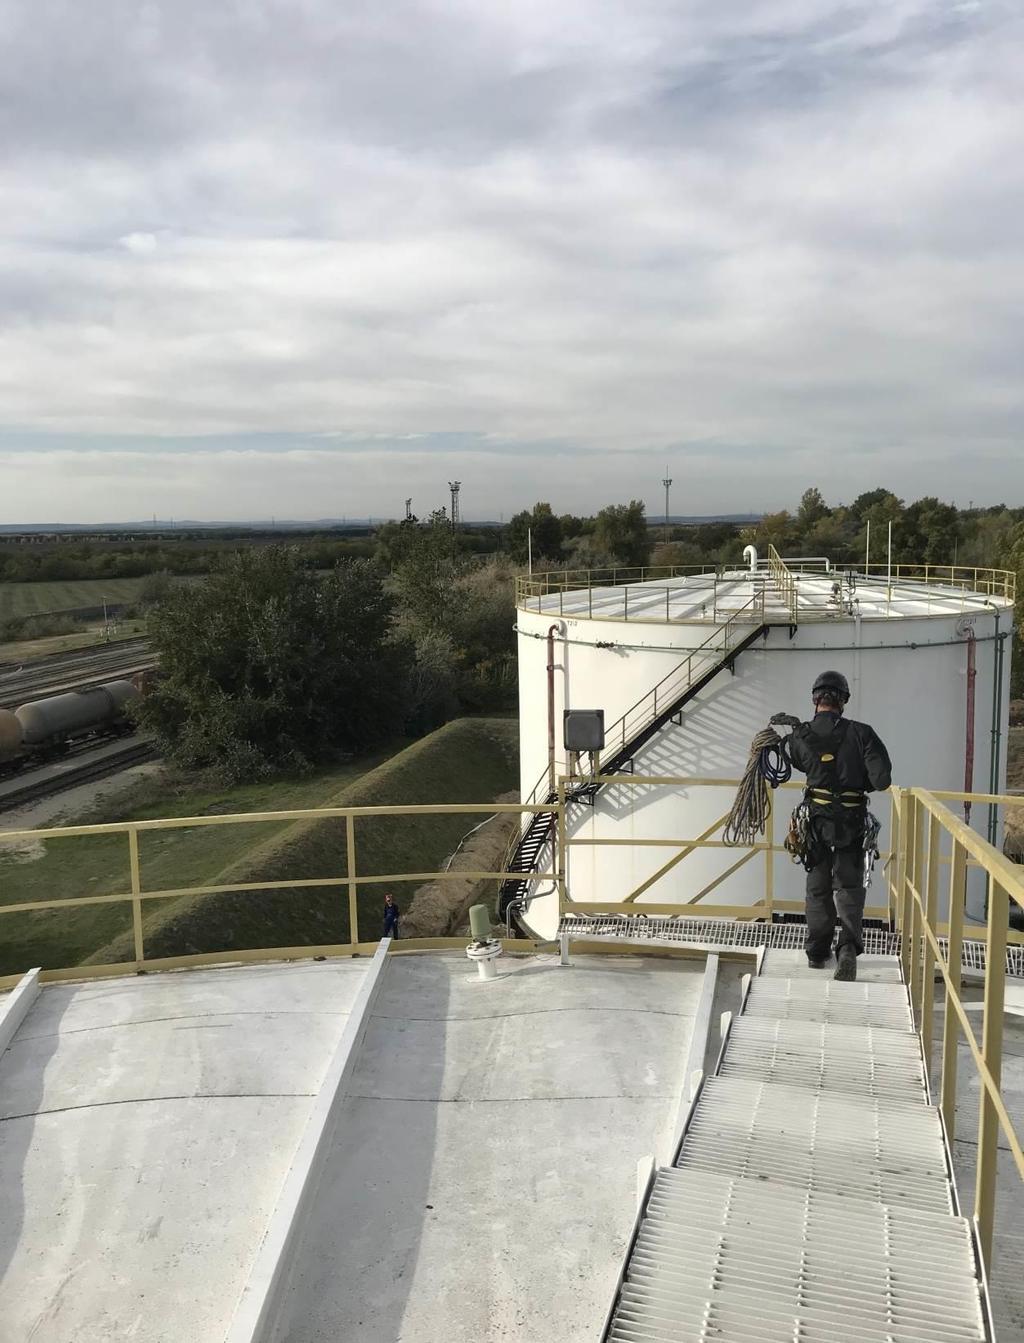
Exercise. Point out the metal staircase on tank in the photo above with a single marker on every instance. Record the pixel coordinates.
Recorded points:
(810, 1197)
(630, 733)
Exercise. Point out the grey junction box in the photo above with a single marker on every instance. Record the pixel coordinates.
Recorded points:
(583, 729)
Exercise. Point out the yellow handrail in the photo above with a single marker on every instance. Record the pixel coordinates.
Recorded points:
(532, 589)
(921, 823)
(137, 895)
(784, 581)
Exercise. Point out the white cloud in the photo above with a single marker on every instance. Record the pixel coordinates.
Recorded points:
(141, 244)
(786, 230)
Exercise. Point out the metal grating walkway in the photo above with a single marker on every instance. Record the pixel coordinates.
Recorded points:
(810, 1199)
(668, 930)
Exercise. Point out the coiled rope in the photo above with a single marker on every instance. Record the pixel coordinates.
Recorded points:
(767, 768)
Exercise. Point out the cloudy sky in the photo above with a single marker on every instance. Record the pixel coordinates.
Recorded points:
(307, 257)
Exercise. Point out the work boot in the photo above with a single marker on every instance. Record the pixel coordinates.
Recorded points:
(818, 962)
(847, 967)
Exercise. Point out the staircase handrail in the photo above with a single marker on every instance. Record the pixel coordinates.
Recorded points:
(784, 580)
(616, 737)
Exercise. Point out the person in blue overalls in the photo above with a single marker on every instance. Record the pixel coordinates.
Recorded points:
(391, 916)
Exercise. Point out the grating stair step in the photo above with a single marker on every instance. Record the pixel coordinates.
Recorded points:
(862, 1060)
(726, 1259)
(810, 1200)
(831, 1002)
(792, 964)
(852, 1146)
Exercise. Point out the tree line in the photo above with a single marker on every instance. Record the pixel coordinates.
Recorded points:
(276, 663)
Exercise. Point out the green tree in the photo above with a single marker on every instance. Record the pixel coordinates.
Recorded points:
(778, 530)
(621, 531)
(426, 571)
(538, 527)
(868, 500)
(267, 665)
(812, 509)
(927, 533)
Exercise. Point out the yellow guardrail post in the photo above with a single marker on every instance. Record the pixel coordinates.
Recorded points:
(895, 819)
(135, 869)
(992, 1053)
(928, 964)
(954, 961)
(769, 861)
(902, 883)
(916, 929)
(350, 872)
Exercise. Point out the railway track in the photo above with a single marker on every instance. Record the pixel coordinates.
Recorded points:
(72, 671)
(96, 764)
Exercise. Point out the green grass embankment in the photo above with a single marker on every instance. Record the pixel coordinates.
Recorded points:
(69, 869)
(470, 760)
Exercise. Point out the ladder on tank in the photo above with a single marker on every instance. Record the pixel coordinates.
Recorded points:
(810, 1197)
(627, 736)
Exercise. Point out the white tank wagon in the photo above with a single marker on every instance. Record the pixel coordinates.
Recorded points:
(904, 642)
(10, 736)
(48, 727)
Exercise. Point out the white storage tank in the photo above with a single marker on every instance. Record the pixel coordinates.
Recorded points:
(902, 640)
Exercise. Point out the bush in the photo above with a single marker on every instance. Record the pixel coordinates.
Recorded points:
(268, 666)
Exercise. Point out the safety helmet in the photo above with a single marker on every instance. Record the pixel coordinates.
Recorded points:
(832, 681)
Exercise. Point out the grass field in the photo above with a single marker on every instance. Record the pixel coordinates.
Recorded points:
(467, 760)
(30, 599)
(94, 637)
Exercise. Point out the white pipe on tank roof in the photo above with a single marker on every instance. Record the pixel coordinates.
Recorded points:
(529, 550)
(888, 571)
(750, 555)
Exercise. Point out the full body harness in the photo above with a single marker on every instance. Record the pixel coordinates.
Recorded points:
(768, 767)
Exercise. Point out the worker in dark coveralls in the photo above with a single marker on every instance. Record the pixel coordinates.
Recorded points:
(391, 916)
(843, 761)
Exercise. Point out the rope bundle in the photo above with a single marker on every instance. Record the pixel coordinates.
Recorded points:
(767, 767)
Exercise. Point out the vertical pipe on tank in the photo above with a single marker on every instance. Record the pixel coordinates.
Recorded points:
(972, 676)
(551, 707)
(996, 743)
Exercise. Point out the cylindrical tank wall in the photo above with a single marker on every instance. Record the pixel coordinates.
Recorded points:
(60, 715)
(907, 677)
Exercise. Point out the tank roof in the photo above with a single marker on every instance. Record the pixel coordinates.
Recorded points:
(147, 1126)
(802, 591)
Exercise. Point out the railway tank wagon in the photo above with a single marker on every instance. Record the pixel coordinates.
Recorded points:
(916, 647)
(61, 718)
(46, 727)
(10, 737)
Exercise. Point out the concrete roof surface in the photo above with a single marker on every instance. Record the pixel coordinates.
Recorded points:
(146, 1126)
(482, 1180)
